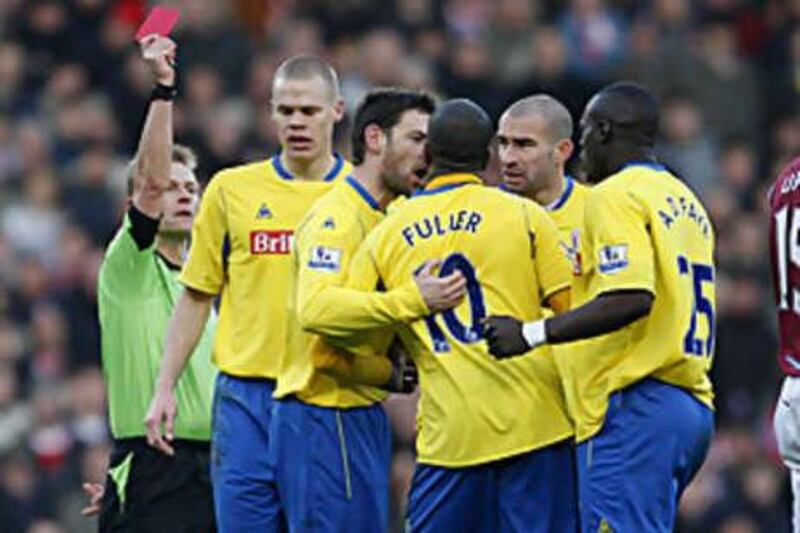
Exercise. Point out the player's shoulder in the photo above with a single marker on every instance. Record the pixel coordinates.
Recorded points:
(331, 213)
(787, 185)
(232, 176)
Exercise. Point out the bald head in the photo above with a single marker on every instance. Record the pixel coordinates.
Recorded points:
(304, 67)
(459, 133)
(555, 115)
(631, 111)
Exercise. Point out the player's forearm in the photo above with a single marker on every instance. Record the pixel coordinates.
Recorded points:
(606, 313)
(339, 312)
(154, 155)
(185, 328)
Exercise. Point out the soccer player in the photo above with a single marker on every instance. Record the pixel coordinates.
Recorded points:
(784, 202)
(644, 400)
(534, 143)
(241, 244)
(137, 289)
(330, 436)
(494, 442)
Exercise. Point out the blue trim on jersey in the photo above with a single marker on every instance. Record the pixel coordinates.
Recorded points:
(652, 165)
(437, 190)
(364, 193)
(285, 174)
(564, 195)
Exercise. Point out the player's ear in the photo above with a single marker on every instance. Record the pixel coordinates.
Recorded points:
(338, 109)
(563, 150)
(604, 130)
(374, 138)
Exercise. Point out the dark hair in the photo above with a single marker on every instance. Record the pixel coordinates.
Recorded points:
(384, 108)
(634, 111)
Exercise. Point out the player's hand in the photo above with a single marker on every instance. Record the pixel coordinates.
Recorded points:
(159, 54)
(162, 411)
(440, 293)
(404, 373)
(504, 336)
(94, 491)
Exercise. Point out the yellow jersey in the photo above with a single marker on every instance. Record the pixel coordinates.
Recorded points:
(647, 231)
(324, 245)
(473, 408)
(568, 214)
(241, 249)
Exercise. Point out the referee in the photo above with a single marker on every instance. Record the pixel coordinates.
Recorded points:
(146, 490)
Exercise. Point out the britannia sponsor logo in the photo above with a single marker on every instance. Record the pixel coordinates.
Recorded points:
(271, 242)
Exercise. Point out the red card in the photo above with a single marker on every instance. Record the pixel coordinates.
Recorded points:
(160, 21)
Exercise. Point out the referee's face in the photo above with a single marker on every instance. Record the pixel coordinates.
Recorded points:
(180, 201)
(305, 111)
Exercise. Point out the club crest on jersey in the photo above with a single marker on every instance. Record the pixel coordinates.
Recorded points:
(325, 259)
(263, 212)
(271, 242)
(573, 252)
(613, 258)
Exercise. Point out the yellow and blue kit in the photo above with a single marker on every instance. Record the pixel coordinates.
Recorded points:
(483, 425)
(241, 250)
(331, 439)
(641, 396)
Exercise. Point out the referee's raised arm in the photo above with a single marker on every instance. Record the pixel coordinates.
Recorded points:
(151, 167)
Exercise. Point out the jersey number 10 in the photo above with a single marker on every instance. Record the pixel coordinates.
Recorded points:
(463, 333)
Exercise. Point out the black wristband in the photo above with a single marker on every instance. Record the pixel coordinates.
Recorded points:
(166, 93)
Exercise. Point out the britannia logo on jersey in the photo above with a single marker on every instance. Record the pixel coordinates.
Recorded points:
(325, 259)
(613, 258)
(271, 242)
(263, 212)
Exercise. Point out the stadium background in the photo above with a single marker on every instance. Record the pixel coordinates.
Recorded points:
(73, 94)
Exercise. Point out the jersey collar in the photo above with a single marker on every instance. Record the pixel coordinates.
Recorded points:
(652, 165)
(565, 194)
(446, 182)
(363, 193)
(285, 174)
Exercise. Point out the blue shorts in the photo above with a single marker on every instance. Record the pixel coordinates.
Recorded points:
(532, 492)
(632, 473)
(332, 466)
(245, 496)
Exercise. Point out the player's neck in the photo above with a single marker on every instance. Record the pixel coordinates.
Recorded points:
(172, 247)
(551, 192)
(309, 170)
(629, 154)
(370, 179)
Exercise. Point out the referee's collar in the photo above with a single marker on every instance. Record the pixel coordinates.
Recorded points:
(446, 182)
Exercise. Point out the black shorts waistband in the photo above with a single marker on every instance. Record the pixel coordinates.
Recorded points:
(130, 444)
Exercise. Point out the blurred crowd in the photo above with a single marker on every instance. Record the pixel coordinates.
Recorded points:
(73, 93)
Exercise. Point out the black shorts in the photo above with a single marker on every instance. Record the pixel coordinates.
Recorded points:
(147, 491)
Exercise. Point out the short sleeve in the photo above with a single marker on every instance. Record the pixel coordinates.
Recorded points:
(553, 269)
(620, 242)
(204, 270)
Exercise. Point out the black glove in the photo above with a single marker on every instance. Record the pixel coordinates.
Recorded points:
(404, 373)
(504, 336)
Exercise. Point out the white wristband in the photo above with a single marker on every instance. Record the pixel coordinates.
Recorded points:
(534, 333)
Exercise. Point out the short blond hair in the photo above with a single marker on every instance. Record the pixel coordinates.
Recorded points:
(181, 154)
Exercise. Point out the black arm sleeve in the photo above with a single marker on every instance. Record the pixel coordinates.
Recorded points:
(606, 313)
(143, 228)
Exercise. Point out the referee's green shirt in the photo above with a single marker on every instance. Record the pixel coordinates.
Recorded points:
(137, 291)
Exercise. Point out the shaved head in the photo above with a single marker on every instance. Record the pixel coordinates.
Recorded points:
(557, 117)
(304, 67)
(459, 133)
